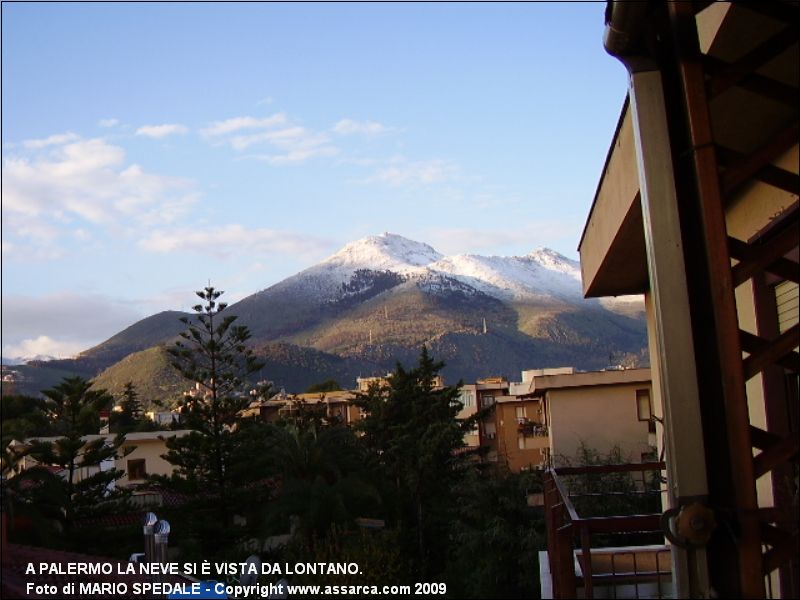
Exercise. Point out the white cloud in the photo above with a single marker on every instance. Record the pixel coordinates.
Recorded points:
(160, 131)
(297, 156)
(230, 240)
(84, 179)
(423, 172)
(349, 127)
(507, 240)
(43, 346)
(227, 126)
(108, 122)
(293, 143)
(61, 324)
(53, 140)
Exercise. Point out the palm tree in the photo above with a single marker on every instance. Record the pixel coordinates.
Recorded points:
(323, 477)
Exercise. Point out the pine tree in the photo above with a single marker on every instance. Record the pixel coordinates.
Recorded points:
(131, 417)
(212, 355)
(74, 411)
(412, 431)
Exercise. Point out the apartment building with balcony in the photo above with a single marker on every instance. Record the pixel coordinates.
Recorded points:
(552, 414)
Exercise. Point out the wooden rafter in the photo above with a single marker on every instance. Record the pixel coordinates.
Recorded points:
(760, 257)
(772, 353)
(743, 169)
(780, 553)
(752, 344)
(775, 176)
(782, 451)
(782, 267)
(774, 514)
(710, 198)
(758, 84)
(700, 5)
(774, 535)
(750, 62)
(762, 439)
(787, 12)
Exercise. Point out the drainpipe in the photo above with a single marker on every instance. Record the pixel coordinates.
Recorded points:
(674, 366)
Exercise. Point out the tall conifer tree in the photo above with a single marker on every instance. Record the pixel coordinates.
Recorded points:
(212, 354)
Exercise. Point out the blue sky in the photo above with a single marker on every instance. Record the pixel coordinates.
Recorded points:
(148, 148)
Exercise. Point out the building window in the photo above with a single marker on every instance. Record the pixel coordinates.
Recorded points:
(520, 414)
(644, 406)
(467, 399)
(137, 469)
(488, 400)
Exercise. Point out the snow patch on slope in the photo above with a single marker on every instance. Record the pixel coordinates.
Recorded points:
(536, 275)
(384, 252)
(541, 275)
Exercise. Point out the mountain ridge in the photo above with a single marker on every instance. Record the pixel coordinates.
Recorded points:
(379, 299)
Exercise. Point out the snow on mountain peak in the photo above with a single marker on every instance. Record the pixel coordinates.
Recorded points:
(552, 260)
(387, 251)
(542, 274)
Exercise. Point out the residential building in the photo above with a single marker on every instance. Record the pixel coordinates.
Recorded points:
(553, 413)
(333, 406)
(139, 455)
(697, 209)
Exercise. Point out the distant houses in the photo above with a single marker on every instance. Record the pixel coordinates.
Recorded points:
(545, 419)
(139, 456)
(550, 416)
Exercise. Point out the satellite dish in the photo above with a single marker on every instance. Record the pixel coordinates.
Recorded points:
(249, 577)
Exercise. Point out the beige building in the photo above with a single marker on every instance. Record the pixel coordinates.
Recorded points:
(138, 456)
(553, 413)
(141, 455)
(335, 406)
(603, 411)
(697, 208)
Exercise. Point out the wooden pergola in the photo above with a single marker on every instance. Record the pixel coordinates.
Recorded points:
(712, 116)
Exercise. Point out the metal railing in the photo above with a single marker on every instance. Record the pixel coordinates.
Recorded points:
(574, 562)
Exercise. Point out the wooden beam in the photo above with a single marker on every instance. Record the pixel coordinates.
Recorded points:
(770, 88)
(780, 553)
(711, 208)
(780, 178)
(763, 255)
(753, 344)
(770, 174)
(783, 267)
(745, 168)
(758, 84)
(774, 514)
(783, 451)
(701, 5)
(774, 535)
(762, 439)
(751, 61)
(778, 348)
(788, 12)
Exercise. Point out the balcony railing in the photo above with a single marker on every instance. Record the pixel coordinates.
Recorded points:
(531, 429)
(583, 550)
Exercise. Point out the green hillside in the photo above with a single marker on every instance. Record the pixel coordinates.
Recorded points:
(156, 381)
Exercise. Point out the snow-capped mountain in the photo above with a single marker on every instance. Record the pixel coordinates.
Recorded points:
(379, 299)
(387, 251)
(541, 275)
